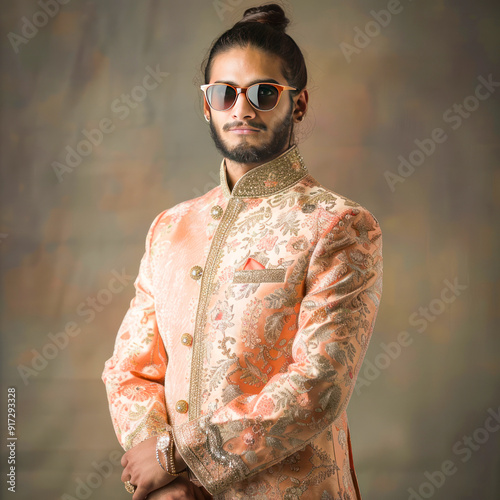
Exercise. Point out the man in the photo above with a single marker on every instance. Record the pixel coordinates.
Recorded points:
(254, 305)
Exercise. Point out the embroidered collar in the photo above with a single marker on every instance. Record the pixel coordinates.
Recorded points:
(268, 178)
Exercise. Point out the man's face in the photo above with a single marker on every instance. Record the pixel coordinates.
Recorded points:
(242, 133)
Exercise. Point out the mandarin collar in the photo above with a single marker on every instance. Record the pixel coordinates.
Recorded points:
(268, 178)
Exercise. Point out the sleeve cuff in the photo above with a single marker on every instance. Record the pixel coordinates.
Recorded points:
(199, 443)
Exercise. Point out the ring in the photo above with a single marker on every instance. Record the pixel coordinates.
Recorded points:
(129, 487)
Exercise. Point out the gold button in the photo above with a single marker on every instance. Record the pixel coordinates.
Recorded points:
(216, 212)
(186, 339)
(196, 272)
(181, 406)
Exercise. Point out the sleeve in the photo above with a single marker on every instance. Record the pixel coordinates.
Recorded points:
(134, 375)
(343, 288)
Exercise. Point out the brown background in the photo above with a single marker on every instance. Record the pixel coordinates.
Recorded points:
(62, 239)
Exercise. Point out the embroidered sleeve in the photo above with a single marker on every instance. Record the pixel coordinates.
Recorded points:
(134, 375)
(343, 287)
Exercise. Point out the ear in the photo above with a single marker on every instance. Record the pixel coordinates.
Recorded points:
(300, 106)
(206, 108)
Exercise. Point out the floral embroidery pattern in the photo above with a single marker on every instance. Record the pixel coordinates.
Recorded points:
(272, 365)
(250, 323)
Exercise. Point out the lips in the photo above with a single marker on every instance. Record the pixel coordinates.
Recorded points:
(244, 129)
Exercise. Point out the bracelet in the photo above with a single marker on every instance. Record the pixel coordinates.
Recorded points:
(171, 467)
(161, 445)
(158, 458)
(165, 444)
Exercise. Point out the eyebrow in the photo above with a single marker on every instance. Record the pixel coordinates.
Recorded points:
(253, 82)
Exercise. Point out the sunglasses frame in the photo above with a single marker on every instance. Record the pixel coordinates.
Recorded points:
(243, 90)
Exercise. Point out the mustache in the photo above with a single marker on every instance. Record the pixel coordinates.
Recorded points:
(259, 126)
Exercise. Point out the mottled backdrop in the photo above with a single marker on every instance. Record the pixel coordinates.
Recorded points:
(404, 119)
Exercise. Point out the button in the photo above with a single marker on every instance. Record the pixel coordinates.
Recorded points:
(186, 339)
(216, 212)
(196, 272)
(181, 406)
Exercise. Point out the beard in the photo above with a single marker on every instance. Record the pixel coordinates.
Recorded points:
(246, 153)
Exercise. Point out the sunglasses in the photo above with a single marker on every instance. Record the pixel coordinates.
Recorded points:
(262, 96)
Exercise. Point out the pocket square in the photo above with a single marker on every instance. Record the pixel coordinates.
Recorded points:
(252, 264)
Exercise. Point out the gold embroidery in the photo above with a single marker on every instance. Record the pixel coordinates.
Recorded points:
(234, 207)
(260, 276)
(152, 425)
(308, 208)
(263, 180)
(268, 178)
(233, 466)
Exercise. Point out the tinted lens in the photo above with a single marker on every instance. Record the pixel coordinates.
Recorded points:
(263, 96)
(221, 97)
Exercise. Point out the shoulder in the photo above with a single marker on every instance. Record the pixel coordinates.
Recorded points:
(335, 207)
(174, 214)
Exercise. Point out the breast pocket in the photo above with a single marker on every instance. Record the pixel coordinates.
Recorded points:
(260, 276)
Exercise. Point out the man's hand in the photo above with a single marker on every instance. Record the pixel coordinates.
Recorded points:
(143, 471)
(180, 489)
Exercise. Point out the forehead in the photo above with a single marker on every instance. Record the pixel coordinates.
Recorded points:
(244, 66)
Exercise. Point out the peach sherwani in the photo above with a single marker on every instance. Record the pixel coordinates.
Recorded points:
(252, 315)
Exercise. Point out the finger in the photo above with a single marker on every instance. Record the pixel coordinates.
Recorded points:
(161, 495)
(140, 493)
(175, 495)
(125, 476)
(155, 495)
(124, 460)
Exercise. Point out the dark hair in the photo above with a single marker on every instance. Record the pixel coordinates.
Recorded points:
(263, 28)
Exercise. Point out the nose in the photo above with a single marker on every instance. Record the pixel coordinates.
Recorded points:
(242, 109)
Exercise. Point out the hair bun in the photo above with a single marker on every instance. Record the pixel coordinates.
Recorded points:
(271, 14)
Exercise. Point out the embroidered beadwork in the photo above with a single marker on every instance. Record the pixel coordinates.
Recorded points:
(153, 424)
(234, 467)
(234, 207)
(268, 178)
(260, 276)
